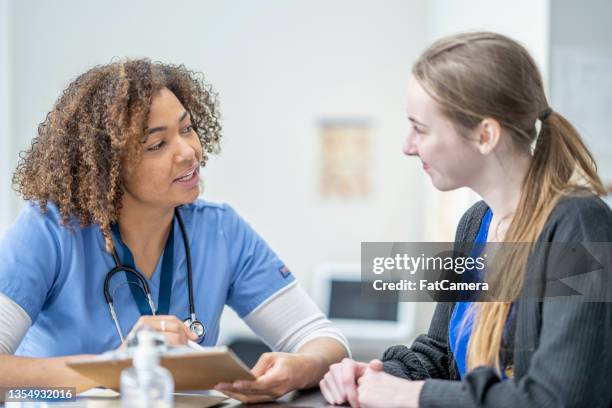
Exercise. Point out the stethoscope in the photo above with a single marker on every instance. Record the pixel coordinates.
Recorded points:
(192, 322)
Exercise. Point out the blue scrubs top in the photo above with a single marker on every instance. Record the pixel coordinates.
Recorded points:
(57, 277)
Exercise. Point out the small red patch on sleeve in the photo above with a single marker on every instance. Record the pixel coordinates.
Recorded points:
(284, 271)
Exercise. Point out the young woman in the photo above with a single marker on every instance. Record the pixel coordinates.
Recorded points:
(112, 183)
(476, 104)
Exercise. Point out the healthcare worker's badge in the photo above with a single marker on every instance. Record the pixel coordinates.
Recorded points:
(284, 271)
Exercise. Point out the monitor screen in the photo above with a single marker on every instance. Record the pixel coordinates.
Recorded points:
(346, 303)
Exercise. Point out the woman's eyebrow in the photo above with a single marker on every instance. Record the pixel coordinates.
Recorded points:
(413, 120)
(148, 131)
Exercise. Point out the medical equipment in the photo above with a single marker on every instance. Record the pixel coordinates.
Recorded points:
(192, 322)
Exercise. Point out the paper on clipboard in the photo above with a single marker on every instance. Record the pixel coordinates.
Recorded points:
(192, 369)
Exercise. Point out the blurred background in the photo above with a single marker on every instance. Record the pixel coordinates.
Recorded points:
(312, 95)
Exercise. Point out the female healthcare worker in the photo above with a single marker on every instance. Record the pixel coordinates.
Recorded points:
(112, 183)
(476, 104)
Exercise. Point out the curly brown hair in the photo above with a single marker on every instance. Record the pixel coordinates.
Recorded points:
(92, 137)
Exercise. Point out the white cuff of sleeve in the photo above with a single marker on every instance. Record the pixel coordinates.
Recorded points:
(14, 323)
(289, 319)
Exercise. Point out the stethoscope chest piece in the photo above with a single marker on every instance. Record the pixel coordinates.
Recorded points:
(196, 327)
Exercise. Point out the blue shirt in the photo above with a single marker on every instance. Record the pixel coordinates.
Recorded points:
(460, 328)
(57, 277)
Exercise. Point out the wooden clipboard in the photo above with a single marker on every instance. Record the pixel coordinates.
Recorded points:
(192, 369)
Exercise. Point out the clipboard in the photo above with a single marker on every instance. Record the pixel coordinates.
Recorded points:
(200, 369)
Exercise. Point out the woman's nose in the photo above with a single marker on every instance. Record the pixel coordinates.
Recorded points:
(185, 151)
(410, 147)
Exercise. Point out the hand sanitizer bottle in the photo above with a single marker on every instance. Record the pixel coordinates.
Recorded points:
(146, 384)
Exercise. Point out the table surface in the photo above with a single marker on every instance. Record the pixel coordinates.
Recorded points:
(310, 398)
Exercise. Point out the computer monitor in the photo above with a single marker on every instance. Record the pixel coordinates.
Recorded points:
(337, 291)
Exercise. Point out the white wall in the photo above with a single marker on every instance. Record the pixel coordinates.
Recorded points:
(584, 24)
(581, 74)
(6, 138)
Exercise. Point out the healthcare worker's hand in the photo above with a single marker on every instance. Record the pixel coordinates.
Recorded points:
(379, 389)
(339, 385)
(175, 331)
(276, 373)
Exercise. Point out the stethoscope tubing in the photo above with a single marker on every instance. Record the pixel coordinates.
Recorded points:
(194, 324)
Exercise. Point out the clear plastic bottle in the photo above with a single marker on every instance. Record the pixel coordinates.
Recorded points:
(146, 384)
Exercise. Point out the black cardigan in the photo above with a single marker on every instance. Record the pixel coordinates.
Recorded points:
(561, 349)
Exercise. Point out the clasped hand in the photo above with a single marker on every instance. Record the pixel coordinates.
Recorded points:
(368, 386)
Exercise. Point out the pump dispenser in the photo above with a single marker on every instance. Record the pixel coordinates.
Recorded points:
(146, 384)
